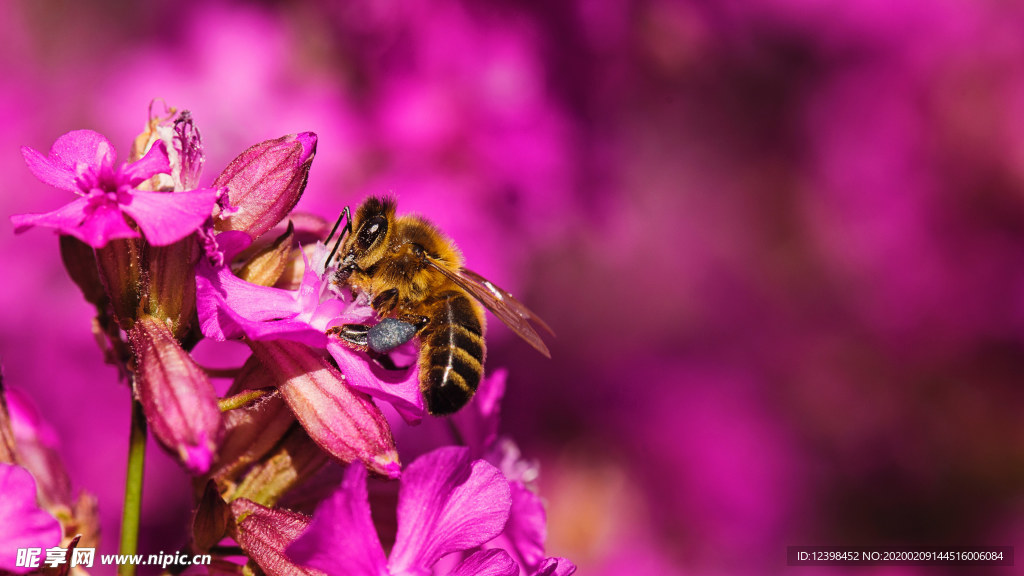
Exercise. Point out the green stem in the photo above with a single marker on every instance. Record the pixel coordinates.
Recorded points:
(243, 399)
(133, 489)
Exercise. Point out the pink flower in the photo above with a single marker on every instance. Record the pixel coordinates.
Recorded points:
(230, 308)
(83, 162)
(446, 504)
(23, 524)
(525, 532)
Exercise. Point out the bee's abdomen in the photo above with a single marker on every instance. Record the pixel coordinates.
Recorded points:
(452, 356)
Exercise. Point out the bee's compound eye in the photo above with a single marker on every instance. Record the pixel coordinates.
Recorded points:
(374, 228)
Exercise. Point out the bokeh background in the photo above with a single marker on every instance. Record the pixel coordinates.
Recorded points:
(781, 242)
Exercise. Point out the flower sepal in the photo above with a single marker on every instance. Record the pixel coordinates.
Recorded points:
(264, 533)
(265, 267)
(346, 424)
(176, 395)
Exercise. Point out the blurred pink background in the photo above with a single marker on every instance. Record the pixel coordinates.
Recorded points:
(781, 242)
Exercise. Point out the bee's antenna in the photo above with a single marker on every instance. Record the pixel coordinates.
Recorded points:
(336, 224)
(347, 216)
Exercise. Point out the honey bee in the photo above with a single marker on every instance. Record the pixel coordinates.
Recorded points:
(416, 283)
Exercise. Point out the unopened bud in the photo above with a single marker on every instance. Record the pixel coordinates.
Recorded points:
(264, 533)
(267, 265)
(266, 181)
(176, 395)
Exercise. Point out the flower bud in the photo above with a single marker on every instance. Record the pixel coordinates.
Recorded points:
(267, 265)
(210, 521)
(266, 181)
(264, 533)
(346, 424)
(176, 395)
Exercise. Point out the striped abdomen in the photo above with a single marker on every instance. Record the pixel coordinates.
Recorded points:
(451, 358)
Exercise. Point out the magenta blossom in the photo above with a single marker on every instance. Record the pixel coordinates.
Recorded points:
(83, 162)
(23, 524)
(230, 308)
(525, 532)
(446, 504)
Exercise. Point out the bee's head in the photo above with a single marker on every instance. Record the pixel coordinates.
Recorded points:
(371, 228)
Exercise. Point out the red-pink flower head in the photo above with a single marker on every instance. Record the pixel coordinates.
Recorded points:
(84, 162)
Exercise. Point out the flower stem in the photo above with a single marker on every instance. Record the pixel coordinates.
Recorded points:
(133, 489)
(243, 399)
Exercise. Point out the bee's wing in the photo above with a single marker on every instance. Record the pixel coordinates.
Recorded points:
(509, 310)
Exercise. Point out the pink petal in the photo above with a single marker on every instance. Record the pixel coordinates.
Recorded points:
(447, 504)
(22, 523)
(477, 423)
(400, 388)
(82, 148)
(294, 330)
(309, 288)
(103, 223)
(327, 312)
(526, 529)
(154, 162)
(166, 217)
(555, 567)
(342, 539)
(487, 563)
(251, 302)
(69, 156)
(66, 218)
(230, 308)
(47, 171)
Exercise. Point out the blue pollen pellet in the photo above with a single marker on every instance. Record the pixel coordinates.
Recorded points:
(389, 334)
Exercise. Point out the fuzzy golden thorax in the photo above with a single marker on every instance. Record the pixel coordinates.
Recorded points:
(387, 252)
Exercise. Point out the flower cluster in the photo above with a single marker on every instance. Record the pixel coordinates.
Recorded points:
(37, 509)
(168, 263)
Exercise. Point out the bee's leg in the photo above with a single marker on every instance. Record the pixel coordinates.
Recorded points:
(385, 302)
(420, 322)
(383, 337)
(353, 335)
